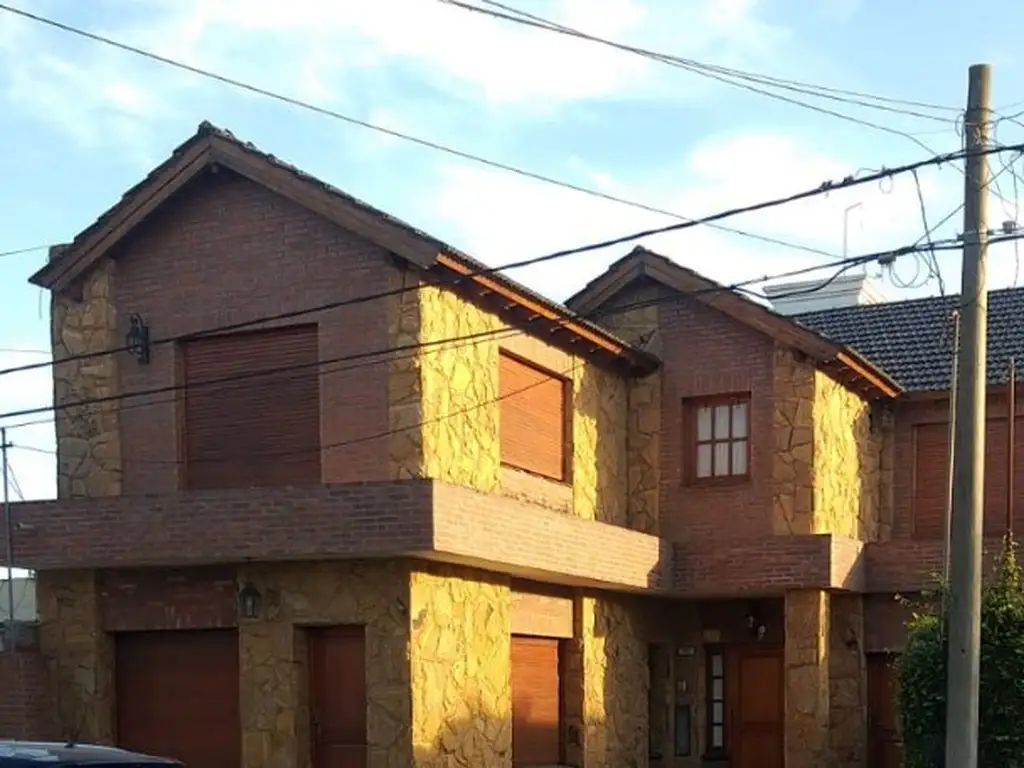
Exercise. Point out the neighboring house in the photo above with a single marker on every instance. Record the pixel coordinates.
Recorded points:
(665, 534)
(23, 596)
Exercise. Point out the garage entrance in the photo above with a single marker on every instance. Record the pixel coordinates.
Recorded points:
(177, 695)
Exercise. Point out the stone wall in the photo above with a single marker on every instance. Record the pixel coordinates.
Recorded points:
(793, 425)
(637, 322)
(847, 682)
(78, 654)
(846, 462)
(445, 402)
(827, 470)
(460, 651)
(807, 735)
(610, 649)
(88, 437)
(273, 686)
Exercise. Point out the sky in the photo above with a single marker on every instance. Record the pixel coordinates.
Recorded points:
(81, 122)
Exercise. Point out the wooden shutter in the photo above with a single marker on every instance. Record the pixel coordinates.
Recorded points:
(533, 419)
(252, 409)
(930, 478)
(536, 702)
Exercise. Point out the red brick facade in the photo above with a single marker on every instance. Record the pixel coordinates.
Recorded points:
(25, 701)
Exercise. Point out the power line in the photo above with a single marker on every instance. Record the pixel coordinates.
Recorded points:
(714, 72)
(825, 188)
(378, 356)
(382, 434)
(19, 251)
(234, 83)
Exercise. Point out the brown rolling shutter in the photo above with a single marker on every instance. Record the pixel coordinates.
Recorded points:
(930, 478)
(533, 419)
(536, 702)
(252, 409)
(177, 696)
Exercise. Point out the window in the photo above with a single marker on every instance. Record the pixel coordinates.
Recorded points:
(716, 700)
(719, 433)
(534, 423)
(682, 730)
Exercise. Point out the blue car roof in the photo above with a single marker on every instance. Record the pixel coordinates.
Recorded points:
(38, 754)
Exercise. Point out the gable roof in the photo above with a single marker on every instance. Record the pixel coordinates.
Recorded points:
(913, 340)
(211, 147)
(846, 364)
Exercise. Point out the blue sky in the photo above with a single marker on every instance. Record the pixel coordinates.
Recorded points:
(82, 122)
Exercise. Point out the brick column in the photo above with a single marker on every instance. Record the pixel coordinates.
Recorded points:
(807, 679)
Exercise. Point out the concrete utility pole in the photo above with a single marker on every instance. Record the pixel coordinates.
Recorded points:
(969, 450)
(9, 536)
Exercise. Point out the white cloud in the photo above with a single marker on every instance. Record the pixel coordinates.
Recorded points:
(500, 218)
(332, 53)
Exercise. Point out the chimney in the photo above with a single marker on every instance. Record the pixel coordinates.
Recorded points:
(808, 296)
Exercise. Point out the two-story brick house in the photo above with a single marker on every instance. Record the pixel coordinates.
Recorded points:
(397, 511)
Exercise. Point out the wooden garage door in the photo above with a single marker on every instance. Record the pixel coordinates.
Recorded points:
(536, 702)
(177, 695)
(252, 409)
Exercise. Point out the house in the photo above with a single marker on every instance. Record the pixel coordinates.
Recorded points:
(401, 511)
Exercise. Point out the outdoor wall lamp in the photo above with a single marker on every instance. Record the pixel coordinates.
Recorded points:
(250, 601)
(755, 625)
(136, 341)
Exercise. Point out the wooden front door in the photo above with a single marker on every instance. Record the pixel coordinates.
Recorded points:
(757, 710)
(177, 695)
(337, 696)
(885, 746)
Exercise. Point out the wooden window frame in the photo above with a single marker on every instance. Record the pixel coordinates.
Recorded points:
(691, 406)
(568, 412)
(711, 752)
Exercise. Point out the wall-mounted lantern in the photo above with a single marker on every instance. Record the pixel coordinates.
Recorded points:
(755, 624)
(136, 341)
(250, 601)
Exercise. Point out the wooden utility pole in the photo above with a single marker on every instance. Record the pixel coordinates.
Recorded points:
(969, 450)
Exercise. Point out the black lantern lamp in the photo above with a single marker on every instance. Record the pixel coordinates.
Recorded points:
(250, 600)
(136, 341)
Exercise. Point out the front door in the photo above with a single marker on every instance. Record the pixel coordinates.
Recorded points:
(337, 696)
(757, 709)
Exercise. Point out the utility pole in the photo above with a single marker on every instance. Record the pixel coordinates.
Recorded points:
(9, 536)
(1011, 445)
(962, 680)
(950, 464)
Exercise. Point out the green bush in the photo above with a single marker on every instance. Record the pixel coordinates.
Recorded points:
(921, 673)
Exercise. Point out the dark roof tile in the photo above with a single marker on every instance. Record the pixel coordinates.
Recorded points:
(912, 340)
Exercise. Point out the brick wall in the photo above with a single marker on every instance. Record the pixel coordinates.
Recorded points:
(227, 251)
(24, 696)
(707, 353)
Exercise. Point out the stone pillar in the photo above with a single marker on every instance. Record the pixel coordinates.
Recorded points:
(793, 425)
(460, 652)
(615, 678)
(79, 654)
(807, 679)
(847, 682)
(88, 437)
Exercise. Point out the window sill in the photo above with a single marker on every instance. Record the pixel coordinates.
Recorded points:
(726, 481)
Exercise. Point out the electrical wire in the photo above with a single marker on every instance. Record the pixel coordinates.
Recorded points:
(820, 91)
(382, 434)
(825, 188)
(379, 356)
(446, 149)
(19, 251)
(720, 74)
